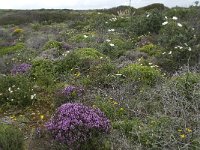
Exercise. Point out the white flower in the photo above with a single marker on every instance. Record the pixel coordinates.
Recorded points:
(85, 36)
(175, 18)
(193, 29)
(106, 22)
(1, 94)
(189, 49)
(164, 23)
(111, 30)
(170, 53)
(118, 74)
(166, 17)
(150, 63)
(164, 53)
(112, 44)
(33, 96)
(180, 25)
(108, 40)
(148, 15)
(180, 47)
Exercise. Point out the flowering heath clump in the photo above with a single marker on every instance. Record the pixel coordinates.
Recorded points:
(72, 91)
(74, 122)
(21, 68)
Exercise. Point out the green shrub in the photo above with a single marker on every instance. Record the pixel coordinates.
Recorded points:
(43, 72)
(83, 59)
(80, 38)
(145, 75)
(16, 91)
(53, 44)
(150, 134)
(127, 126)
(186, 83)
(11, 138)
(150, 49)
(150, 22)
(17, 32)
(11, 49)
(111, 108)
(101, 74)
(179, 46)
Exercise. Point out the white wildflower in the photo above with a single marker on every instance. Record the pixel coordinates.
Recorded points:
(166, 17)
(111, 30)
(170, 53)
(106, 22)
(112, 44)
(108, 40)
(165, 23)
(9, 89)
(148, 15)
(189, 49)
(164, 53)
(118, 74)
(180, 25)
(33, 96)
(175, 18)
(85, 36)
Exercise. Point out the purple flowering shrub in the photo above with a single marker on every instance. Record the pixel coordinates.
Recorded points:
(75, 123)
(68, 94)
(21, 68)
(72, 91)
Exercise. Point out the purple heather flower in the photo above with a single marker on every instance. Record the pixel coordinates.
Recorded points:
(70, 90)
(21, 68)
(74, 122)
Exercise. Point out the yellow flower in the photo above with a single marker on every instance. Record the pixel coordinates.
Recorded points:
(179, 130)
(188, 130)
(41, 117)
(78, 74)
(183, 136)
(115, 103)
(121, 109)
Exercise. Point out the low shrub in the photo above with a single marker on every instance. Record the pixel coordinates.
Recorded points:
(149, 22)
(69, 93)
(11, 138)
(11, 49)
(43, 72)
(17, 32)
(21, 68)
(150, 49)
(145, 75)
(111, 108)
(74, 123)
(83, 59)
(53, 44)
(16, 91)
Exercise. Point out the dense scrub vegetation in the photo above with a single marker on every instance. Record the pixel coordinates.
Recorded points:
(120, 78)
